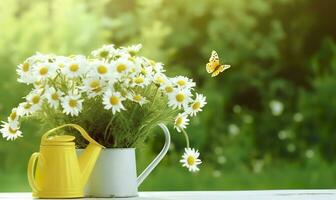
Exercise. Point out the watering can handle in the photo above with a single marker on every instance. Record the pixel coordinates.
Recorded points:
(75, 126)
(158, 158)
(30, 171)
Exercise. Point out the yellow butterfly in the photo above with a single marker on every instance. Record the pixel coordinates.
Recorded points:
(213, 67)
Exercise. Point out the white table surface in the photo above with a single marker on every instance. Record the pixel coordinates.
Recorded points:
(216, 195)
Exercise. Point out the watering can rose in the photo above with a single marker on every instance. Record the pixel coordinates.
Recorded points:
(128, 92)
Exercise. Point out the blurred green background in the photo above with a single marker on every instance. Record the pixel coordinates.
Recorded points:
(270, 119)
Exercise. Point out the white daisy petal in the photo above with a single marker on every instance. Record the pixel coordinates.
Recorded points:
(113, 101)
(190, 159)
(72, 104)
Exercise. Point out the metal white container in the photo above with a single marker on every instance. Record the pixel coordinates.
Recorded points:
(114, 174)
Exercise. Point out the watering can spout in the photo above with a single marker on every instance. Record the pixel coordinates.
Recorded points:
(88, 159)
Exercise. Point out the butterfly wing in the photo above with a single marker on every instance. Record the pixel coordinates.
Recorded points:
(213, 62)
(220, 69)
(210, 67)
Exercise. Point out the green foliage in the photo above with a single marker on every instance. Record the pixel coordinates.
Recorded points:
(126, 129)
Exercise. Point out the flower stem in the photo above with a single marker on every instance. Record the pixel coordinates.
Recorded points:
(156, 92)
(186, 137)
(108, 126)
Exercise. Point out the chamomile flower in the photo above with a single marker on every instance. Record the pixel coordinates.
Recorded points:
(179, 98)
(133, 49)
(183, 82)
(113, 101)
(45, 70)
(102, 69)
(25, 72)
(14, 116)
(197, 105)
(10, 130)
(181, 122)
(53, 97)
(25, 109)
(105, 52)
(140, 80)
(160, 79)
(93, 86)
(122, 66)
(72, 104)
(167, 87)
(190, 159)
(35, 99)
(75, 67)
(137, 98)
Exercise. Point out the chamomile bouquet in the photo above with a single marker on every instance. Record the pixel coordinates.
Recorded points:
(115, 94)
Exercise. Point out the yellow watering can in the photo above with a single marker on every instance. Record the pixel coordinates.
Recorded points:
(58, 171)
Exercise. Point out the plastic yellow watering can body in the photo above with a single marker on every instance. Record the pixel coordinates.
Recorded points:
(59, 173)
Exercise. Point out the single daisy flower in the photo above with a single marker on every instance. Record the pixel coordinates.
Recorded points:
(35, 99)
(167, 87)
(72, 104)
(197, 105)
(183, 82)
(160, 79)
(113, 101)
(140, 80)
(93, 86)
(190, 159)
(137, 98)
(181, 122)
(75, 67)
(25, 109)
(102, 69)
(25, 72)
(45, 70)
(122, 66)
(179, 98)
(14, 116)
(133, 49)
(105, 52)
(53, 96)
(10, 130)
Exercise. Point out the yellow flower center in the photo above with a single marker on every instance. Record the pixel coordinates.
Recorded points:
(13, 115)
(169, 89)
(139, 80)
(103, 54)
(180, 97)
(72, 103)
(137, 98)
(74, 67)
(27, 106)
(102, 69)
(43, 71)
(114, 100)
(143, 70)
(12, 131)
(94, 84)
(121, 68)
(25, 67)
(181, 82)
(179, 121)
(35, 99)
(55, 96)
(191, 160)
(159, 80)
(196, 105)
